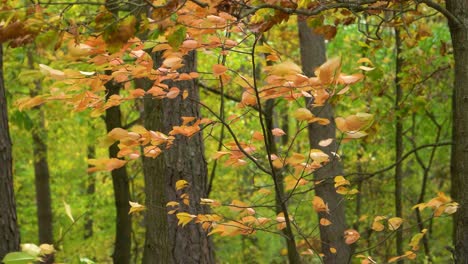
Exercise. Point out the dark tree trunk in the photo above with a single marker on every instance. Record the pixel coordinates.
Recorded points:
(459, 159)
(123, 226)
(313, 54)
(398, 144)
(183, 161)
(9, 233)
(41, 168)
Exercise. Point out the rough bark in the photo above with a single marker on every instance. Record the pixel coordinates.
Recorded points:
(459, 158)
(9, 233)
(313, 54)
(183, 161)
(120, 183)
(41, 168)
(398, 144)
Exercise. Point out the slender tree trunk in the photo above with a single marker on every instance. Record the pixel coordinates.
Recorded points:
(183, 161)
(123, 226)
(313, 54)
(9, 233)
(90, 190)
(459, 159)
(398, 144)
(41, 168)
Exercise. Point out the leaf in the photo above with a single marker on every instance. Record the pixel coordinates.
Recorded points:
(135, 207)
(184, 218)
(394, 223)
(31, 249)
(303, 114)
(181, 184)
(68, 211)
(278, 132)
(325, 142)
(377, 225)
(329, 71)
(319, 205)
(333, 250)
(177, 37)
(414, 242)
(219, 69)
(325, 222)
(173, 92)
(47, 249)
(351, 236)
(18, 258)
(55, 74)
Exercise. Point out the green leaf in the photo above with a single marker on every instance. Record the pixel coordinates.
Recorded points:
(86, 261)
(18, 258)
(177, 37)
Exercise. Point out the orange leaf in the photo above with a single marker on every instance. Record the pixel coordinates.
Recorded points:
(219, 69)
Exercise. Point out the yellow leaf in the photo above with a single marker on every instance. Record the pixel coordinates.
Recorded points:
(318, 156)
(237, 205)
(135, 207)
(377, 225)
(184, 218)
(47, 249)
(303, 114)
(333, 250)
(56, 74)
(181, 184)
(68, 211)
(414, 242)
(172, 203)
(394, 223)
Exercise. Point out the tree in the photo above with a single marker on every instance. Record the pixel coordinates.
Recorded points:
(41, 168)
(313, 54)
(10, 237)
(458, 25)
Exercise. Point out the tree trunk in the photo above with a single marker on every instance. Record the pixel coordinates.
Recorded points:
(123, 226)
(398, 144)
(90, 191)
(9, 233)
(183, 161)
(41, 167)
(313, 54)
(459, 158)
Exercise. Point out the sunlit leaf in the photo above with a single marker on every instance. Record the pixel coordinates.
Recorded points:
(68, 211)
(135, 207)
(184, 218)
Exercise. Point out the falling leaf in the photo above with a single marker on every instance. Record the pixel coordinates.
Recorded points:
(68, 211)
(333, 250)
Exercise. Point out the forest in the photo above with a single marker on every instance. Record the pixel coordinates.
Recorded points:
(233, 131)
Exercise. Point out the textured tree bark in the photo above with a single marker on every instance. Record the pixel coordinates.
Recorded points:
(41, 169)
(313, 54)
(459, 158)
(9, 233)
(123, 226)
(398, 144)
(183, 161)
